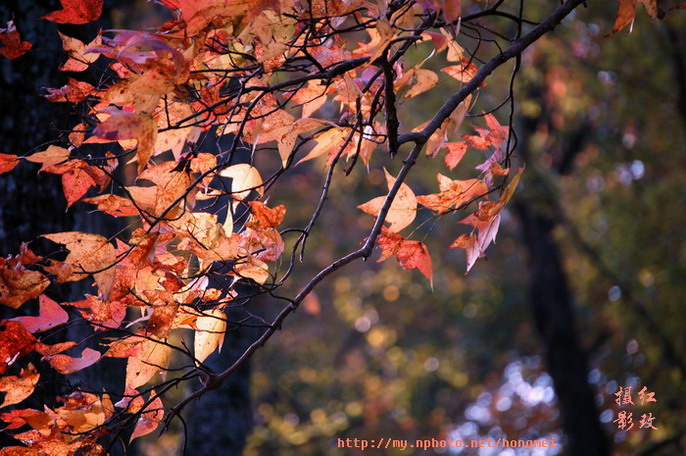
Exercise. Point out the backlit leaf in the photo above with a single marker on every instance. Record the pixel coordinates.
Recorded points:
(66, 364)
(245, 178)
(19, 387)
(210, 328)
(18, 284)
(403, 209)
(8, 162)
(50, 315)
(150, 418)
(88, 254)
(76, 12)
(12, 45)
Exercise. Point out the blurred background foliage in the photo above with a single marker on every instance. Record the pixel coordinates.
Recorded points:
(380, 352)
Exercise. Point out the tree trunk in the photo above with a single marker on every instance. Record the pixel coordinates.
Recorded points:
(30, 206)
(553, 313)
(219, 422)
(33, 204)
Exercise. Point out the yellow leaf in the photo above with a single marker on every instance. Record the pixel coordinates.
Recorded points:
(50, 156)
(424, 80)
(328, 141)
(403, 210)
(245, 179)
(150, 418)
(288, 139)
(253, 268)
(78, 59)
(88, 254)
(18, 388)
(151, 357)
(209, 333)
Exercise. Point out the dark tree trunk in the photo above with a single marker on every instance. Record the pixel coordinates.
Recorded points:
(553, 312)
(33, 204)
(219, 422)
(552, 302)
(30, 205)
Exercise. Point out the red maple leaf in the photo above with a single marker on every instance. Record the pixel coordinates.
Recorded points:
(12, 45)
(76, 12)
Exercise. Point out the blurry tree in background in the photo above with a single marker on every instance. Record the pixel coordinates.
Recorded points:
(602, 122)
(240, 116)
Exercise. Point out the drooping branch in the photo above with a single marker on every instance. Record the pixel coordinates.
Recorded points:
(419, 139)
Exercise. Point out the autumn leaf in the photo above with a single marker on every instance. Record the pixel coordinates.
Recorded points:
(210, 328)
(287, 141)
(452, 10)
(627, 12)
(487, 221)
(124, 125)
(114, 205)
(487, 231)
(15, 342)
(311, 97)
(245, 178)
(76, 12)
(12, 45)
(455, 51)
(18, 284)
(150, 418)
(89, 254)
(403, 209)
(132, 401)
(454, 194)
(492, 136)
(471, 245)
(456, 151)
(146, 356)
(625, 15)
(50, 314)
(252, 268)
(83, 412)
(389, 243)
(8, 162)
(19, 387)
(653, 8)
(20, 417)
(49, 350)
(491, 210)
(423, 80)
(175, 139)
(463, 72)
(410, 254)
(50, 156)
(73, 92)
(66, 364)
(101, 314)
(162, 318)
(448, 128)
(415, 255)
(264, 216)
(171, 185)
(79, 55)
(328, 142)
(77, 175)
